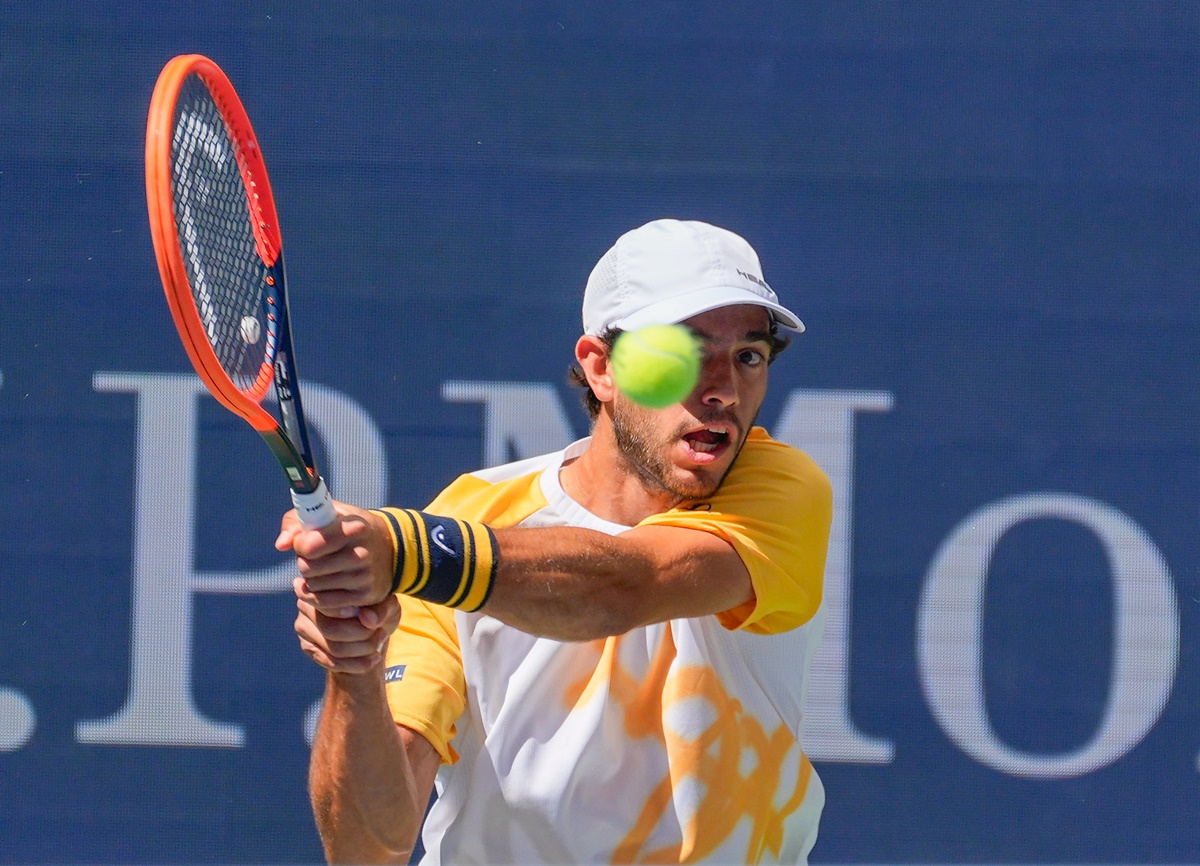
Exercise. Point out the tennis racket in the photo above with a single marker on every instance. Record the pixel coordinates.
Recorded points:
(217, 242)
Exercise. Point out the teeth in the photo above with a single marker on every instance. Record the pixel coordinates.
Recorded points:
(719, 437)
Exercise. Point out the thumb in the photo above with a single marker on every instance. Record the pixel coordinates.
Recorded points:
(288, 531)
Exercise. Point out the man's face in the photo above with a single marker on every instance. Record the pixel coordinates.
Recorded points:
(686, 450)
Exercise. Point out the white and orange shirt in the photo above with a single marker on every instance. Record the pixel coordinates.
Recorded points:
(673, 743)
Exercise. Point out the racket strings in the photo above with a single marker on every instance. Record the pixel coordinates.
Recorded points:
(230, 282)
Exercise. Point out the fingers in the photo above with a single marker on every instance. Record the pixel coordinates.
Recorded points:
(346, 609)
(346, 564)
(310, 542)
(356, 644)
(338, 593)
(289, 526)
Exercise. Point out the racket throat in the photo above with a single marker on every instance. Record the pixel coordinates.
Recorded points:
(291, 410)
(301, 478)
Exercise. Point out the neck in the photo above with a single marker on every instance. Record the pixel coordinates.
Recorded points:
(603, 482)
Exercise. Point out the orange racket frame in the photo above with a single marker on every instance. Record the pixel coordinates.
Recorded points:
(308, 491)
(164, 231)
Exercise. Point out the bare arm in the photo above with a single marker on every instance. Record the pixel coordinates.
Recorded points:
(577, 584)
(560, 582)
(369, 779)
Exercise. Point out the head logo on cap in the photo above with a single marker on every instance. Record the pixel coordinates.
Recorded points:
(670, 270)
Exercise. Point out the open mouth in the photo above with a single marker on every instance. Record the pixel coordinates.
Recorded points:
(707, 440)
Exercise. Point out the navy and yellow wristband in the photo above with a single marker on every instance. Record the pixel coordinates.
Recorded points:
(440, 559)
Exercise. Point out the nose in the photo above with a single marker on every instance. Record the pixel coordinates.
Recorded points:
(717, 387)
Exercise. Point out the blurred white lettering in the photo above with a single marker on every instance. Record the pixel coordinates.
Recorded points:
(520, 419)
(159, 708)
(821, 423)
(524, 419)
(1145, 634)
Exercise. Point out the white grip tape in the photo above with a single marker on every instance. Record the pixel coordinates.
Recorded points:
(314, 509)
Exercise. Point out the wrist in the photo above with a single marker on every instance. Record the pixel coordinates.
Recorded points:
(441, 560)
(384, 566)
(349, 687)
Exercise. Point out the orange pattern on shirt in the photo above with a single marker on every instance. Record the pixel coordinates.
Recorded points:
(713, 760)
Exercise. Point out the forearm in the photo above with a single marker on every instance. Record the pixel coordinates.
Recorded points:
(365, 796)
(566, 583)
(576, 584)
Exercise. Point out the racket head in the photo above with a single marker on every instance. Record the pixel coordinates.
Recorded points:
(216, 234)
(220, 255)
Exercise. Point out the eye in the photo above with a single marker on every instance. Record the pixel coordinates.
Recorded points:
(751, 357)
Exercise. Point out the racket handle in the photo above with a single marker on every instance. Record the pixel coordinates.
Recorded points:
(314, 509)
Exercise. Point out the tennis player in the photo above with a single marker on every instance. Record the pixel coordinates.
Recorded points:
(597, 655)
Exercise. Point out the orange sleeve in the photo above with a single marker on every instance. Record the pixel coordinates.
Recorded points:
(426, 689)
(775, 508)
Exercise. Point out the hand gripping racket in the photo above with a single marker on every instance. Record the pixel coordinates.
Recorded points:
(217, 241)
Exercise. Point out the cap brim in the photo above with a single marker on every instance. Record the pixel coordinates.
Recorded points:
(682, 307)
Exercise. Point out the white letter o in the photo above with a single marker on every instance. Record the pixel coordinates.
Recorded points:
(1145, 634)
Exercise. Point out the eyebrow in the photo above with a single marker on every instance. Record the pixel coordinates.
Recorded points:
(749, 336)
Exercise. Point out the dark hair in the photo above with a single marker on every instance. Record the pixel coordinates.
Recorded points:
(591, 402)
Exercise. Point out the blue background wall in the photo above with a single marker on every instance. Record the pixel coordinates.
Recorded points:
(986, 213)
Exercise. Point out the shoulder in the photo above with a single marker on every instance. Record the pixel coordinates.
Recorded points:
(770, 471)
(761, 452)
(775, 508)
(500, 495)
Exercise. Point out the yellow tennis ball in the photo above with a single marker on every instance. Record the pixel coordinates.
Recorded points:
(657, 365)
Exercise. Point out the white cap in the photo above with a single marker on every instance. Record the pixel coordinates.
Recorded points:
(670, 270)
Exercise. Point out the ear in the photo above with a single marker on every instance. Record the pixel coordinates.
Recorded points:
(592, 355)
